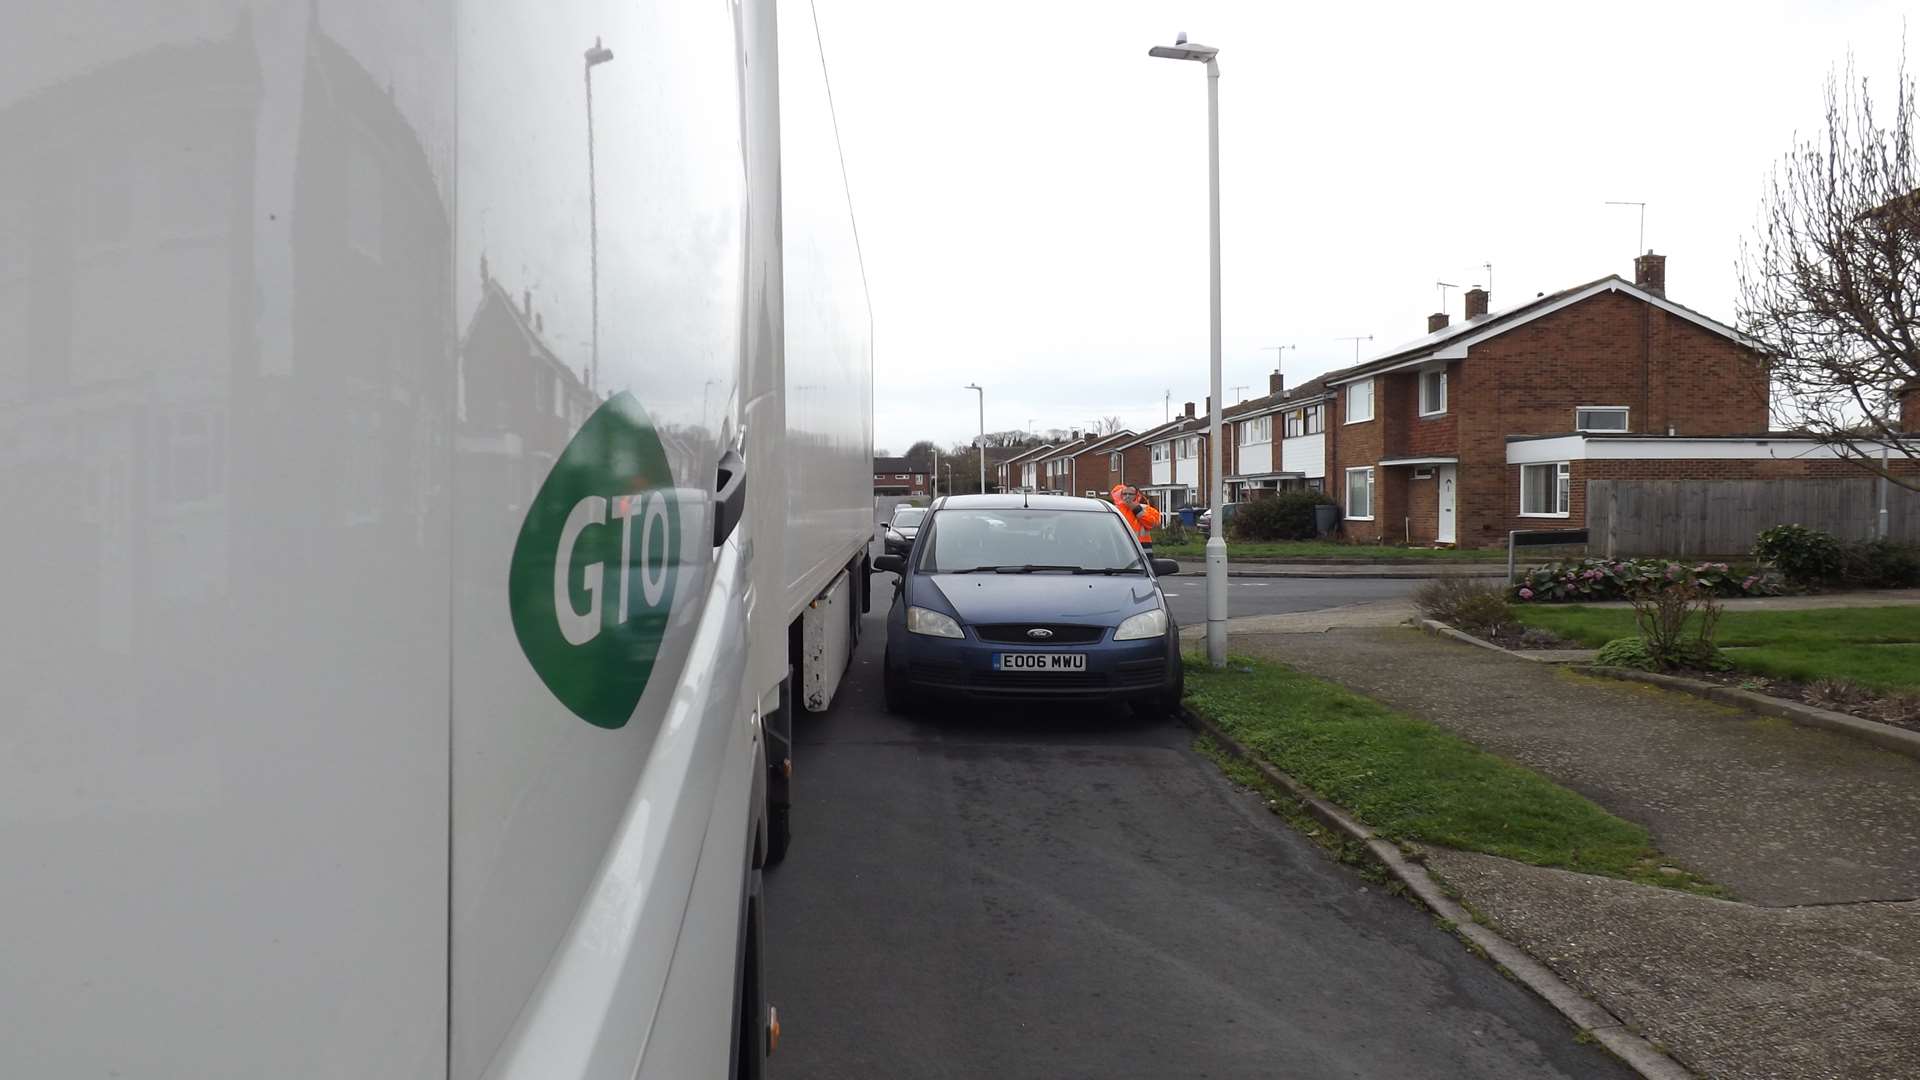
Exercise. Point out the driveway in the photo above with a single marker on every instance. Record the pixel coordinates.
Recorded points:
(996, 892)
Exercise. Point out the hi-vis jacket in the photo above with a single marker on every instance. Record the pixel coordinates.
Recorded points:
(1143, 521)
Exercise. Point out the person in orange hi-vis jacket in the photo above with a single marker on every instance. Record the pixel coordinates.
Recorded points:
(1140, 514)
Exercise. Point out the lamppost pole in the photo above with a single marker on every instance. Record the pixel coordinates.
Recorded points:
(982, 447)
(1216, 542)
(595, 56)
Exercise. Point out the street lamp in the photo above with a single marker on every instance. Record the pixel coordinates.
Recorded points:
(983, 435)
(595, 56)
(1216, 543)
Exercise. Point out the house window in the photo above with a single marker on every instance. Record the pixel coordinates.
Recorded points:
(1113, 461)
(1296, 424)
(1600, 418)
(1256, 431)
(1315, 419)
(1160, 451)
(1546, 490)
(1360, 402)
(1360, 494)
(1316, 483)
(1433, 393)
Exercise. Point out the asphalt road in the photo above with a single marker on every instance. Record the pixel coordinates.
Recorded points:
(1061, 893)
(1187, 596)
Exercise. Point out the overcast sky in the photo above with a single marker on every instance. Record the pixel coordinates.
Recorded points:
(1031, 186)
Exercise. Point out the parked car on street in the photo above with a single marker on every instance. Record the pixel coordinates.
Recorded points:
(903, 528)
(1030, 597)
(1205, 520)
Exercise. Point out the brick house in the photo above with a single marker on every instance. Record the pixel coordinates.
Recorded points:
(1421, 433)
(1277, 442)
(1085, 466)
(1021, 472)
(898, 476)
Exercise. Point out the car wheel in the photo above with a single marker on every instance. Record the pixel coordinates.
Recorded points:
(899, 699)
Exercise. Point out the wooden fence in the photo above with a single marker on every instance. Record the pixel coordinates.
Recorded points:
(1721, 517)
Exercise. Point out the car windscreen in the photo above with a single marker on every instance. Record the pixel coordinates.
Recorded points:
(1016, 540)
(907, 519)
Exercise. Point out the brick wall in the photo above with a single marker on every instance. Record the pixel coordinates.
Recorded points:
(1422, 518)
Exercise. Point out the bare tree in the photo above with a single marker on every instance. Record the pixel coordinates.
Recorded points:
(1109, 425)
(1830, 282)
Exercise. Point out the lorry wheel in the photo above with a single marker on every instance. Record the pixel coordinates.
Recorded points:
(754, 1035)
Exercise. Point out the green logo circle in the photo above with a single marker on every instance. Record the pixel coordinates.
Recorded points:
(593, 570)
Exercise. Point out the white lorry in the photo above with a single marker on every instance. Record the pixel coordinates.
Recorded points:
(435, 445)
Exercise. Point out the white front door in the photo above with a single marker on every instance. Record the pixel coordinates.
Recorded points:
(1445, 476)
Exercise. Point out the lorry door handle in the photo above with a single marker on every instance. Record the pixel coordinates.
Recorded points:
(729, 496)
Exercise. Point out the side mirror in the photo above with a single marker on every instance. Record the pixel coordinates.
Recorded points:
(896, 564)
(1161, 567)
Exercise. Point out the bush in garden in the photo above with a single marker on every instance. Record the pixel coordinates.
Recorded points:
(1806, 556)
(1474, 606)
(1878, 564)
(1285, 515)
(1677, 621)
(1587, 580)
(1627, 652)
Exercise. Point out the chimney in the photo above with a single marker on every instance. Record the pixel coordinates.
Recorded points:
(1650, 273)
(1076, 435)
(1276, 383)
(1436, 322)
(1910, 409)
(1476, 303)
(1189, 410)
(1209, 406)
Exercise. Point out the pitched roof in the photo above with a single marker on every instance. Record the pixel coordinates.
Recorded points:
(1452, 342)
(1310, 390)
(895, 465)
(1025, 454)
(1179, 425)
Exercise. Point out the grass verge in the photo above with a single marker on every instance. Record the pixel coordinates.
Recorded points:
(1196, 547)
(1412, 780)
(1873, 647)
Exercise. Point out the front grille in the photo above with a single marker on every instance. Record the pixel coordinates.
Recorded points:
(1063, 633)
(1141, 673)
(1056, 680)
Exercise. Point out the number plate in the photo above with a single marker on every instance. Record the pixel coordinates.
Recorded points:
(1039, 661)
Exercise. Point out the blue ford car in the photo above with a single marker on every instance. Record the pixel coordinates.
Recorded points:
(1029, 597)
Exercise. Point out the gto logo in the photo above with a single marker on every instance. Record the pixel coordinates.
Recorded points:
(591, 582)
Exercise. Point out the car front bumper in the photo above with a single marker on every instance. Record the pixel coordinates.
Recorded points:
(952, 667)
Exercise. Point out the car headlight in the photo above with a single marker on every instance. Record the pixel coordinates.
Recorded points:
(1147, 624)
(931, 623)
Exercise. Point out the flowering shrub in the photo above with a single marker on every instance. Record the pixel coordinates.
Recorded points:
(1577, 580)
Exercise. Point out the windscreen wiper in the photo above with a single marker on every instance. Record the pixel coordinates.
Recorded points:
(1031, 567)
(1134, 569)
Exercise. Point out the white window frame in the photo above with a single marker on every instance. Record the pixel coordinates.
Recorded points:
(1314, 421)
(1113, 460)
(1626, 418)
(1562, 496)
(1442, 409)
(1296, 423)
(1256, 430)
(1162, 452)
(1368, 516)
(1351, 389)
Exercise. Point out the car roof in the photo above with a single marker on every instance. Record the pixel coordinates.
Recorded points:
(1020, 500)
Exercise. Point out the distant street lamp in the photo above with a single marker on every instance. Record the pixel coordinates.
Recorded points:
(1216, 543)
(595, 56)
(983, 435)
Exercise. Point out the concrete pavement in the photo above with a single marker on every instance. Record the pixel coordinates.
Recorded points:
(1813, 975)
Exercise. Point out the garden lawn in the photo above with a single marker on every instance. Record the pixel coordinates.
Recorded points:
(1877, 648)
(1412, 780)
(1321, 549)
